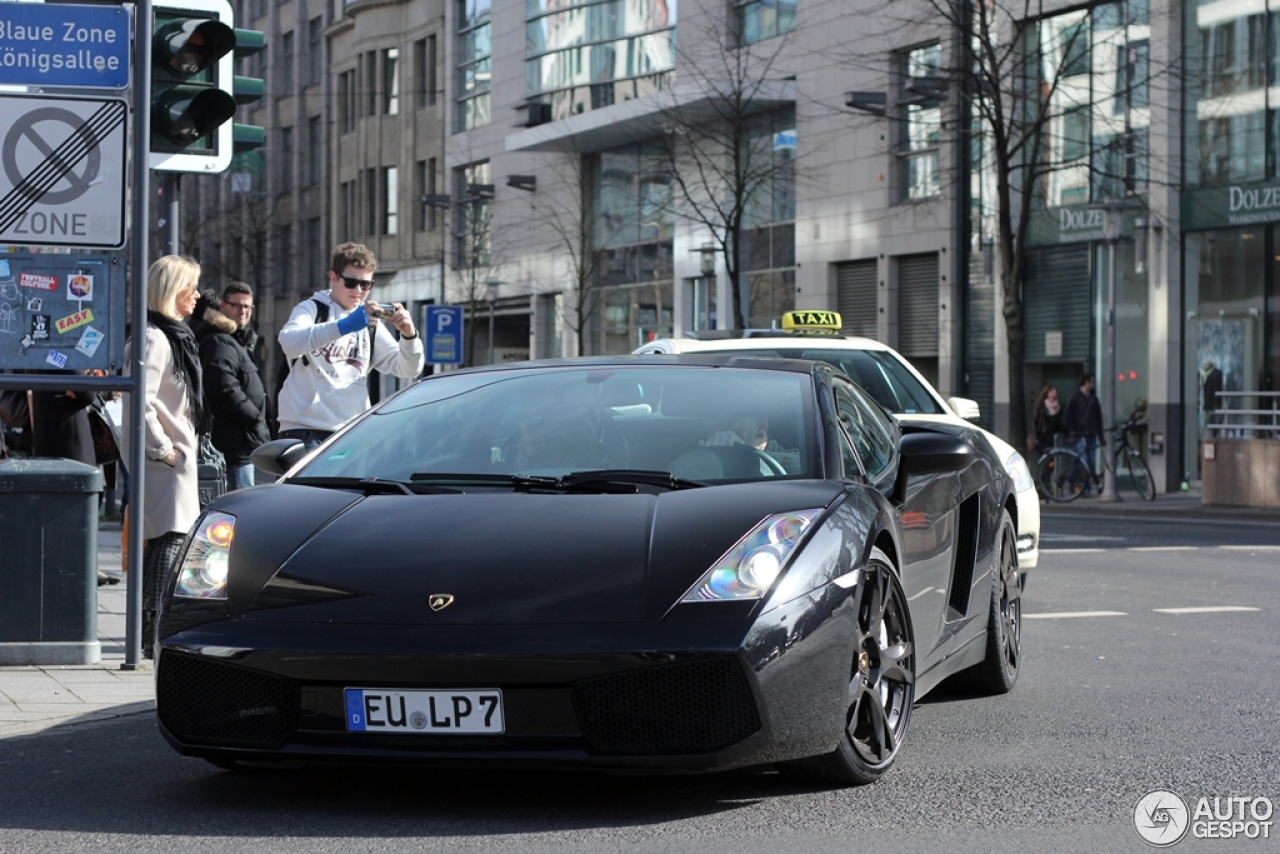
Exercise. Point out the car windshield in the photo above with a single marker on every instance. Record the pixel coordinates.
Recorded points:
(700, 424)
(880, 374)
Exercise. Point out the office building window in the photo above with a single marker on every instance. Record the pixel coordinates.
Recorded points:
(424, 71)
(920, 114)
(286, 64)
(763, 19)
(286, 159)
(316, 255)
(315, 49)
(390, 200)
(473, 64)
(371, 201)
(391, 81)
(285, 258)
(315, 150)
(1094, 64)
(345, 192)
(584, 54)
(371, 82)
(473, 194)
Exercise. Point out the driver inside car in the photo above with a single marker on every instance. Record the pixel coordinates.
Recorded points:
(750, 430)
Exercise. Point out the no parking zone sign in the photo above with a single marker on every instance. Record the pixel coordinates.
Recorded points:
(62, 164)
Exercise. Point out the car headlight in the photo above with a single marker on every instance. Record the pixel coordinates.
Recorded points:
(203, 574)
(748, 570)
(1017, 468)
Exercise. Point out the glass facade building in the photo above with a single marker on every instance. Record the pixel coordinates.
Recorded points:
(1231, 130)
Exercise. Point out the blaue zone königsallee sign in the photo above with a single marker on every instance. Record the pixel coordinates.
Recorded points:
(84, 47)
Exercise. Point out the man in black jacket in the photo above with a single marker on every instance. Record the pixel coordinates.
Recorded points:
(233, 387)
(1083, 420)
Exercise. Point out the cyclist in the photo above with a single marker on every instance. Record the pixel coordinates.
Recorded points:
(1083, 422)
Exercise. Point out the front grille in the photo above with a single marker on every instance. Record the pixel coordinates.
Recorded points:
(694, 707)
(202, 701)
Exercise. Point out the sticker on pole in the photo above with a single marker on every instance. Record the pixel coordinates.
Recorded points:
(62, 171)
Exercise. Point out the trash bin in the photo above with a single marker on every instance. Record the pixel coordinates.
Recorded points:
(48, 557)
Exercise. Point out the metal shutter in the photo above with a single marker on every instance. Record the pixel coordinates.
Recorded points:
(856, 297)
(918, 305)
(979, 336)
(1058, 297)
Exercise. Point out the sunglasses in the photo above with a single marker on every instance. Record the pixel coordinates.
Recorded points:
(353, 283)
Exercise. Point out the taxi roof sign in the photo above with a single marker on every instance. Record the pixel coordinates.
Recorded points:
(812, 321)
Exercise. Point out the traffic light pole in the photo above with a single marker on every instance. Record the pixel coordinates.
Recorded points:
(141, 176)
(170, 192)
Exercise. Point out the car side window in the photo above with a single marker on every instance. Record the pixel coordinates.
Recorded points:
(872, 435)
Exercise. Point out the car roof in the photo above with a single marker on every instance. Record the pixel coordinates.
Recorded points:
(717, 360)
(719, 345)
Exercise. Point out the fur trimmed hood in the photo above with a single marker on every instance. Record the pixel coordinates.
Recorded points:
(219, 321)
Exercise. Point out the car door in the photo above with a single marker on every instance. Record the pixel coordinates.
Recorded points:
(925, 518)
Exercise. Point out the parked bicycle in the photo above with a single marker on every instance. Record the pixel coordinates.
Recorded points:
(1064, 475)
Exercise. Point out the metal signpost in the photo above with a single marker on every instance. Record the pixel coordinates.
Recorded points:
(444, 334)
(62, 183)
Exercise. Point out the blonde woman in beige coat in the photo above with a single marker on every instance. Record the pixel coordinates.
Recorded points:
(174, 420)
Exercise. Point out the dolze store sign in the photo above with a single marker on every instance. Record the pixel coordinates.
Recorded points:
(1253, 204)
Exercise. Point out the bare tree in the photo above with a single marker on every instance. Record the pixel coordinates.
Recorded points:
(477, 254)
(722, 160)
(1036, 125)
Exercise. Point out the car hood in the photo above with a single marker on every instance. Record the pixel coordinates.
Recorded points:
(504, 558)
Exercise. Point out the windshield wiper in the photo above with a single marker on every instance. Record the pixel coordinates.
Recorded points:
(372, 485)
(641, 477)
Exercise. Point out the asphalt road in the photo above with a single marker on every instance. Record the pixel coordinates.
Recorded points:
(1108, 708)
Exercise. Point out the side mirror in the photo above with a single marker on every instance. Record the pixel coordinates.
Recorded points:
(965, 408)
(278, 456)
(933, 453)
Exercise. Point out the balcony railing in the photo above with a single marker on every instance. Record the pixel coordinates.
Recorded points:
(1246, 415)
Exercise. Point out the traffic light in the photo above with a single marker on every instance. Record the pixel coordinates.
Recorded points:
(192, 98)
(247, 90)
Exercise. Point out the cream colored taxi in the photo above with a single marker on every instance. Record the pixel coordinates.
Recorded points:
(887, 377)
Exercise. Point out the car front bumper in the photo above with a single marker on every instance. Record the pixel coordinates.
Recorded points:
(643, 698)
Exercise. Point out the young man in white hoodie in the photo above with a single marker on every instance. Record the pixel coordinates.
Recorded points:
(330, 349)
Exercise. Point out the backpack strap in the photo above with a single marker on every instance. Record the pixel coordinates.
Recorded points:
(322, 316)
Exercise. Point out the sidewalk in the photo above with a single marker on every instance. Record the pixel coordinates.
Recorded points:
(35, 698)
(1170, 505)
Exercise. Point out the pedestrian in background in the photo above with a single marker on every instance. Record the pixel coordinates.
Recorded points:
(233, 388)
(1083, 421)
(332, 341)
(1048, 419)
(174, 419)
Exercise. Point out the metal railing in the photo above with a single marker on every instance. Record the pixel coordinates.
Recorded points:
(1256, 417)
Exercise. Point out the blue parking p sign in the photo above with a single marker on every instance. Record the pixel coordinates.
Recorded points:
(444, 334)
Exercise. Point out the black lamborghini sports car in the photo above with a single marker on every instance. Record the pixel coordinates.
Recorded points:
(683, 563)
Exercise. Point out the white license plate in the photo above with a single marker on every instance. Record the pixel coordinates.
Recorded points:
(435, 712)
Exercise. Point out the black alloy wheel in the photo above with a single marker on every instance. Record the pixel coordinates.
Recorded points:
(882, 683)
(998, 672)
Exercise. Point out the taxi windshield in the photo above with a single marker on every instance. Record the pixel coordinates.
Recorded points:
(699, 424)
(878, 372)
